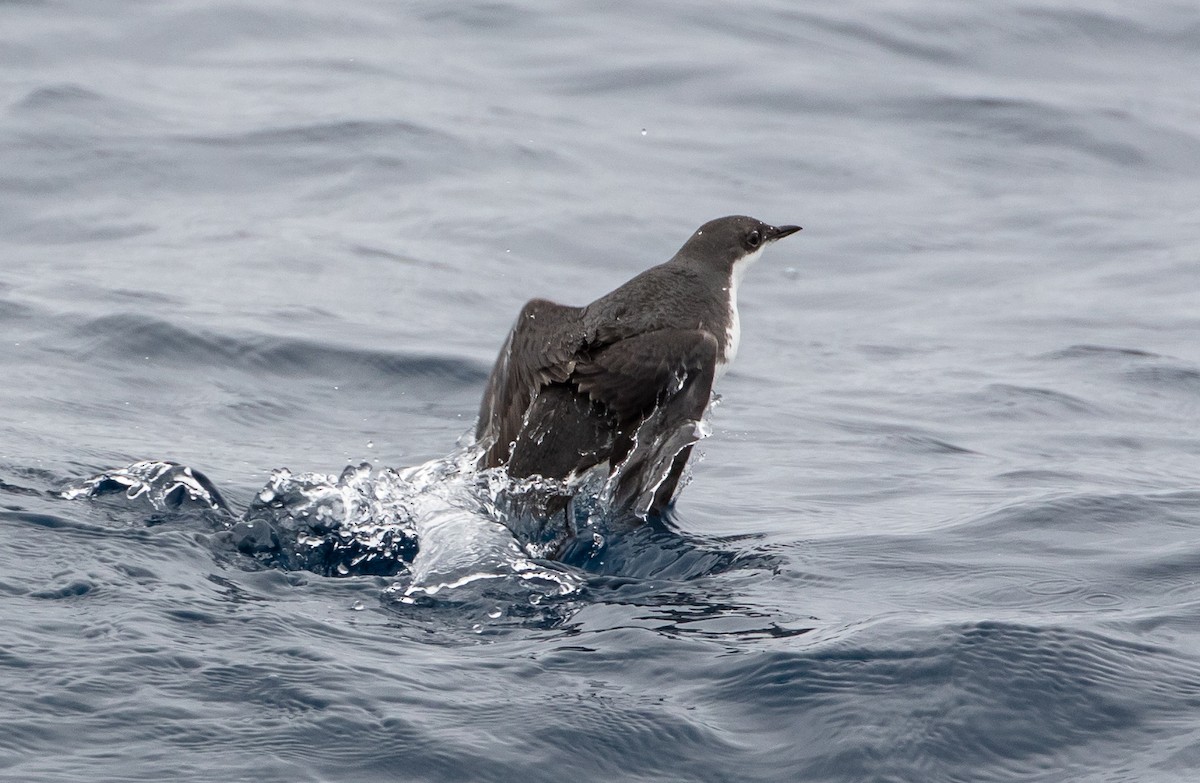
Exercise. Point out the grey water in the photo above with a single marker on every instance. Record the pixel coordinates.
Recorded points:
(947, 526)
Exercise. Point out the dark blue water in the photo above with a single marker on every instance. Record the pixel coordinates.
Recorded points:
(948, 523)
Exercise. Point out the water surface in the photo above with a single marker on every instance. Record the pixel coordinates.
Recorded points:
(945, 529)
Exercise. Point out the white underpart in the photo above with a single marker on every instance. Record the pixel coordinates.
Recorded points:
(733, 335)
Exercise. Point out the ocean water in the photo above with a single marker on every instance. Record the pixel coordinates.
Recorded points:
(947, 526)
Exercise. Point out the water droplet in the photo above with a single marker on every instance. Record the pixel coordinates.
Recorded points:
(535, 599)
(494, 614)
(370, 444)
(342, 569)
(477, 628)
(358, 606)
(643, 131)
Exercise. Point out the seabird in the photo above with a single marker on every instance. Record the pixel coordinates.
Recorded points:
(626, 379)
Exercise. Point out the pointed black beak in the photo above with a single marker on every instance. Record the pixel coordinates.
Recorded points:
(779, 232)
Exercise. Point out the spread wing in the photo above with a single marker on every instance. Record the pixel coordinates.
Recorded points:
(541, 349)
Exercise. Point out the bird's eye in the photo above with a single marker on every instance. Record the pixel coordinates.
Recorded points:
(753, 239)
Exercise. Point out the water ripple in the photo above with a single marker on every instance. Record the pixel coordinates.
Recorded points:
(130, 337)
(956, 704)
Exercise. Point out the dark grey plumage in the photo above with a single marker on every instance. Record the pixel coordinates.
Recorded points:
(625, 378)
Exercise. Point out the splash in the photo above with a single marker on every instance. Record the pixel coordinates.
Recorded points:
(352, 523)
(455, 511)
(442, 526)
(165, 486)
(438, 525)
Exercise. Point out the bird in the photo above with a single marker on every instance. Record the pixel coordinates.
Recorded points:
(625, 380)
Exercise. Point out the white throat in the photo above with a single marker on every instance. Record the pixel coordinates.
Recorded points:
(733, 335)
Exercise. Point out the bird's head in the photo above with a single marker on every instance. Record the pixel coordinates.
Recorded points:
(730, 244)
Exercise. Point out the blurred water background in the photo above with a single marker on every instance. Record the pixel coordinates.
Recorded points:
(948, 525)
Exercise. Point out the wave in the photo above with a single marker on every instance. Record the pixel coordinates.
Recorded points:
(129, 336)
(956, 702)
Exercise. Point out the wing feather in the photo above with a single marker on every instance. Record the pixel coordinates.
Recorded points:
(540, 349)
(631, 376)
